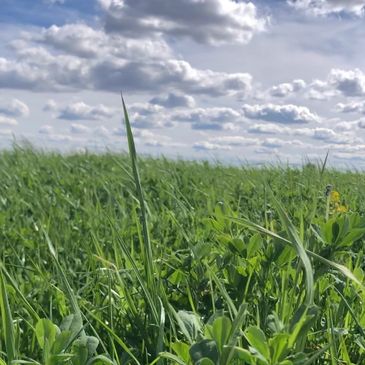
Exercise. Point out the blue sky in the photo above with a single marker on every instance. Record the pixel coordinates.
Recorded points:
(258, 81)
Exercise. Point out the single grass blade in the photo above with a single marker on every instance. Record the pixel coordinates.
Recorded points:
(7, 321)
(298, 245)
(20, 295)
(149, 265)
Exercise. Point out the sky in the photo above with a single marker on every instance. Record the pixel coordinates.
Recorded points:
(264, 81)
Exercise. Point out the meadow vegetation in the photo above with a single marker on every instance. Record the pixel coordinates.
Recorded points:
(175, 262)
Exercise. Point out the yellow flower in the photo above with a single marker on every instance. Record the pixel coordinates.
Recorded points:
(335, 196)
(342, 209)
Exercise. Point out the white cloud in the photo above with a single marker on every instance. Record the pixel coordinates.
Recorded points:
(267, 129)
(234, 141)
(7, 121)
(82, 111)
(50, 106)
(286, 88)
(37, 68)
(208, 146)
(209, 118)
(83, 41)
(272, 143)
(284, 114)
(326, 7)
(206, 21)
(348, 82)
(148, 116)
(15, 108)
(79, 129)
(174, 100)
(351, 107)
(114, 75)
(330, 136)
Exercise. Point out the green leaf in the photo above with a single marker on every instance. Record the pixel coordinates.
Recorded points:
(257, 340)
(61, 342)
(182, 350)
(279, 346)
(46, 332)
(80, 351)
(191, 323)
(222, 327)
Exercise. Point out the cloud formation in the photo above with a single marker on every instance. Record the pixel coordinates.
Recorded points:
(205, 21)
(15, 108)
(7, 121)
(174, 100)
(287, 88)
(209, 118)
(327, 7)
(283, 114)
(82, 111)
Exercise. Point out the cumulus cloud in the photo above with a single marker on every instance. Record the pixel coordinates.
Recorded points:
(208, 146)
(148, 116)
(174, 100)
(267, 129)
(38, 69)
(330, 136)
(76, 128)
(209, 118)
(348, 82)
(50, 106)
(351, 107)
(326, 7)
(205, 21)
(15, 108)
(284, 114)
(234, 141)
(82, 111)
(83, 41)
(114, 74)
(7, 121)
(287, 88)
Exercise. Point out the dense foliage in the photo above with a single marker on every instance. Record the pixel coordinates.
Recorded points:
(225, 265)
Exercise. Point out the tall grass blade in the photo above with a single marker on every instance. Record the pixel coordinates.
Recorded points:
(149, 265)
(298, 245)
(7, 321)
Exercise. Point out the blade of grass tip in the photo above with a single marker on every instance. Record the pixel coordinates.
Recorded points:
(324, 164)
(69, 292)
(143, 215)
(7, 321)
(298, 244)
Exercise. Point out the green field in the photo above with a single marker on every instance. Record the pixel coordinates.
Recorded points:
(214, 265)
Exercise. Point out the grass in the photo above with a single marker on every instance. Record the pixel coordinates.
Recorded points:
(114, 259)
